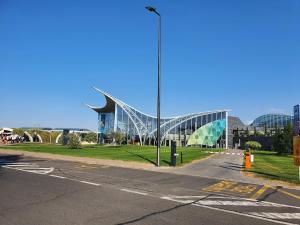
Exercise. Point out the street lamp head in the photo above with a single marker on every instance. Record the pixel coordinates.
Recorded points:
(152, 9)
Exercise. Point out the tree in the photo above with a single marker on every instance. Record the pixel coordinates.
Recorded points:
(118, 137)
(90, 137)
(283, 140)
(255, 132)
(247, 132)
(265, 130)
(253, 145)
(74, 141)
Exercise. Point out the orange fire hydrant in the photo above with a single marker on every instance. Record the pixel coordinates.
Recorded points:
(248, 159)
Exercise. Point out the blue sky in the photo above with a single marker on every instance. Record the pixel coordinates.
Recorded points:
(239, 55)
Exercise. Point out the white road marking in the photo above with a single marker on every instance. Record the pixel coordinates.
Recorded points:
(281, 216)
(91, 183)
(31, 169)
(226, 211)
(235, 203)
(15, 164)
(61, 177)
(20, 165)
(81, 181)
(182, 197)
(227, 202)
(135, 192)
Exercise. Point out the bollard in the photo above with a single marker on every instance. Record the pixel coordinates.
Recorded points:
(181, 157)
(173, 153)
(248, 159)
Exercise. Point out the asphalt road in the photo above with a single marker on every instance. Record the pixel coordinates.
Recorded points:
(43, 192)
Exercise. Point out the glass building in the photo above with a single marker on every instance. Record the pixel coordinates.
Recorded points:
(195, 129)
(272, 121)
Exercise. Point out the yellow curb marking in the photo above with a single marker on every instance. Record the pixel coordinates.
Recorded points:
(231, 186)
(290, 194)
(285, 192)
(259, 192)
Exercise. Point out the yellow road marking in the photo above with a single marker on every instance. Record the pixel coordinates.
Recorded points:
(220, 186)
(248, 189)
(290, 194)
(231, 186)
(259, 192)
(285, 192)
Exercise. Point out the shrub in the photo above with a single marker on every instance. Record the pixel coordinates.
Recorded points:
(118, 137)
(253, 145)
(74, 141)
(90, 137)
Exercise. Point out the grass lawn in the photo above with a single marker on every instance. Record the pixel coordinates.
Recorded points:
(270, 165)
(145, 154)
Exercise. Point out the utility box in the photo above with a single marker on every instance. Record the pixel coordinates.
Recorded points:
(173, 153)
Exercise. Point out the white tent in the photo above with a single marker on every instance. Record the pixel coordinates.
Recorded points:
(6, 130)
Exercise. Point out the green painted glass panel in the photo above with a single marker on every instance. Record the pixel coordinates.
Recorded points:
(208, 134)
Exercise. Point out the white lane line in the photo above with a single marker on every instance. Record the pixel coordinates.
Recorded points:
(91, 183)
(182, 197)
(228, 211)
(281, 216)
(134, 192)
(235, 203)
(30, 168)
(20, 165)
(81, 181)
(61, 177)
(15, 164)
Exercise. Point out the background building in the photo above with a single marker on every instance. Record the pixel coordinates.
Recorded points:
(296, 120)
(201, 129)
(274, 120)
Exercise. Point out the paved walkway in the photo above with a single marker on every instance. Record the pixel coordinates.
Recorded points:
(227, 166)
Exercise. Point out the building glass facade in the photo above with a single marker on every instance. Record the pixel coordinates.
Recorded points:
(141, 128)
(272, 121)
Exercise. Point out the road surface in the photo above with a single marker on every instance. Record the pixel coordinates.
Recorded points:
(37, 191)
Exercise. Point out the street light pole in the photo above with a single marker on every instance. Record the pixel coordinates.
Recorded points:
(152, 9)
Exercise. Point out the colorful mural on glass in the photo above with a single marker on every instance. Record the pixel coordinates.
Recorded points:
(208, 134)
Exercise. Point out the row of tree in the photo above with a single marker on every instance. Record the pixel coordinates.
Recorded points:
(282, 140)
